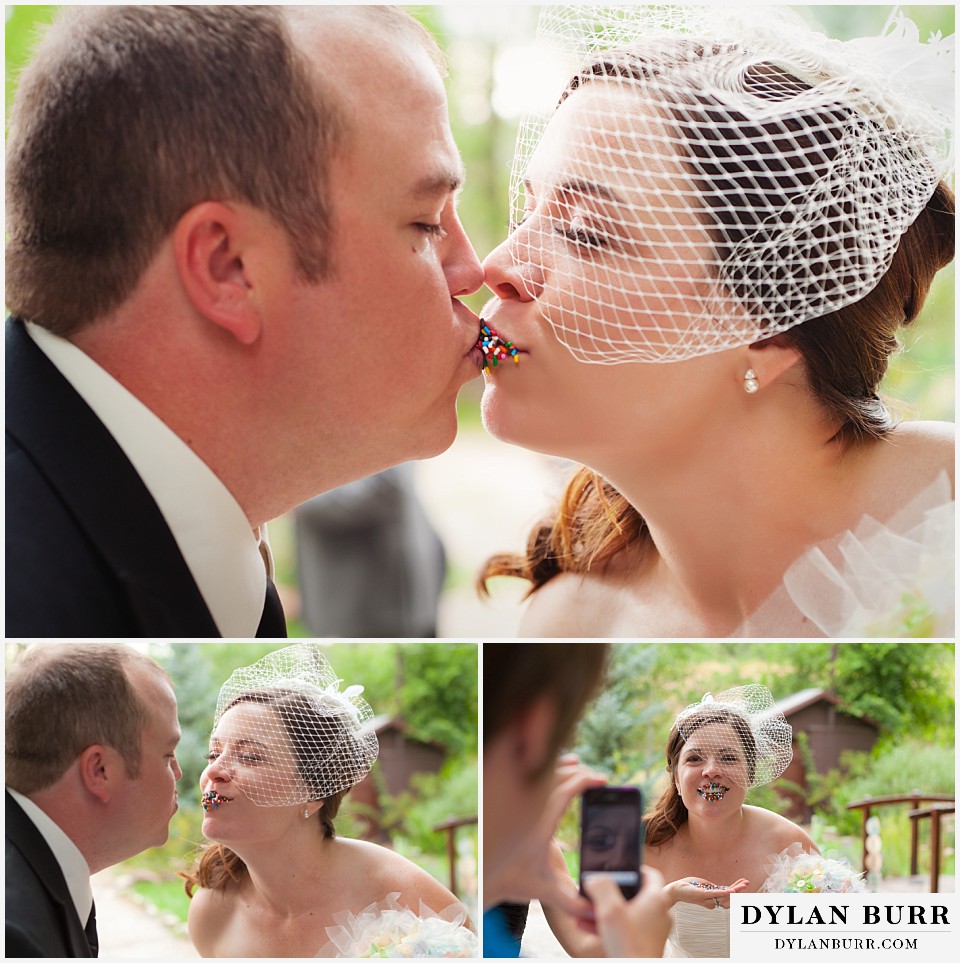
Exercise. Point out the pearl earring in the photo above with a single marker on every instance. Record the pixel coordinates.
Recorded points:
(306, 814)
(750, 383)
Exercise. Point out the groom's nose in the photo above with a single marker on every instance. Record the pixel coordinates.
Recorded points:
(461, 266)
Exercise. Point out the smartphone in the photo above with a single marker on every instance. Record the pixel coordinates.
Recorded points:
(611, 830)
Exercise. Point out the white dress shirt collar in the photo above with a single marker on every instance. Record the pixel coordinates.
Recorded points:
(209, 526)
(72, 864)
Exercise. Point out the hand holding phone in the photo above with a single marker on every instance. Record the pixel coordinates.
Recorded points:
(610, 836)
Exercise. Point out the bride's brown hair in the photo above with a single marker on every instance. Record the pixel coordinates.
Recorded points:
(845, 353)
(669, 812)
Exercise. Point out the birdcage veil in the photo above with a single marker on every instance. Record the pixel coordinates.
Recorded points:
(287, 734)
(712, 176)
(762, 743)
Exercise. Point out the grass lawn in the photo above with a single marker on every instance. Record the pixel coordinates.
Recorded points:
(167, 896)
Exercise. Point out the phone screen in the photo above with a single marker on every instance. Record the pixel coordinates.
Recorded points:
(610, 834)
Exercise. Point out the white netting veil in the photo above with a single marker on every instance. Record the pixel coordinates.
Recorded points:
(284, 734)
(712, 176)
(741, 732)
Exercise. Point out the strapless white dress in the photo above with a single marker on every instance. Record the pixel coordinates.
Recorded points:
(698, 932)
(892, 580)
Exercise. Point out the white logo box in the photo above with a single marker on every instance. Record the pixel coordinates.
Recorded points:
(877, 926)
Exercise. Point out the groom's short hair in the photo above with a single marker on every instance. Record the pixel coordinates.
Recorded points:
(62, 698)
(516, 675)
(128, 116)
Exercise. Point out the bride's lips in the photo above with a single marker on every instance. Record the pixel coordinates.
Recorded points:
(713, 792)
(212, 799)
(494, 348)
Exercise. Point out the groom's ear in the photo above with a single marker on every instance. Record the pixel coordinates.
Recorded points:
(533, 740)
(99, 771)
(210, 245)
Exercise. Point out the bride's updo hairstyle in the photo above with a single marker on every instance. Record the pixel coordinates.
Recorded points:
(826, 212)
(333, 745)
(765, 739)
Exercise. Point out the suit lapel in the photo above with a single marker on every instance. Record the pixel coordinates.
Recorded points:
(25, 837)
(100, 487)
(273, 625)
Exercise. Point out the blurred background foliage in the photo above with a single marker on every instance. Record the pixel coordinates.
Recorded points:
(908, 688)
(430, 686)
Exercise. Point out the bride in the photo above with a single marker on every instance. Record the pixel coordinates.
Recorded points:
(276, 880)
(719, 241)
(701, 836)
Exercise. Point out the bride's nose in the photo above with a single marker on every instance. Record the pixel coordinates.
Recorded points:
(217, 771)
(712, 766)
(510, 272)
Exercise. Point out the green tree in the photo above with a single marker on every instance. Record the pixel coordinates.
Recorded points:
(439, 693)
(908, 687)
(619, 734)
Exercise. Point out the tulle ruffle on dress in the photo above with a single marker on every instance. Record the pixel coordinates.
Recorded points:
(797, 871)
(387, 929)
(882, 580)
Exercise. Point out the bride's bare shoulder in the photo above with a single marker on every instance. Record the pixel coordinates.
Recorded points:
(599, 603)
(922, 448)
(571, 605)
(385, 871)
(906, 462)
(778, 831)
(207, 917)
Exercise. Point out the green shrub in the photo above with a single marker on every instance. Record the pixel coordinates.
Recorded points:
(893, 771)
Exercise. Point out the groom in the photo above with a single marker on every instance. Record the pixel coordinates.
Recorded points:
(234, 264)
(91, 774)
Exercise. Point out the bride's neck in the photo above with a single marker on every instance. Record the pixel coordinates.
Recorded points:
(279, 874)
(728, 519)
(714, 836)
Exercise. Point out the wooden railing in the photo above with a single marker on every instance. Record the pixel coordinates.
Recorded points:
(933, 813)
(943, 804)
(450, 827)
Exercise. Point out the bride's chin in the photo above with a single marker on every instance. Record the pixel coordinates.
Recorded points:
(509, 423)
(495, 420)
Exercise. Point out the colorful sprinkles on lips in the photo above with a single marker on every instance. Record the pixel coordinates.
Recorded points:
(211, 800)
(494, 348)
(712, 793)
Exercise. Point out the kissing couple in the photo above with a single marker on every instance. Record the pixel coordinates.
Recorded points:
(92, 773)
(235, 269)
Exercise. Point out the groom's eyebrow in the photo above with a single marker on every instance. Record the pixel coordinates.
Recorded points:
(439, 183)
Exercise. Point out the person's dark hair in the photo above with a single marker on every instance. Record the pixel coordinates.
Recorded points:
(669, 813)
(845, 353)
(61, 699)
(516, 675)
(312, 736)
(128, 116)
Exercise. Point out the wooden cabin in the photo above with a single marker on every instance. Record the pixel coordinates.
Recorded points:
(830, 731)
(401, 757)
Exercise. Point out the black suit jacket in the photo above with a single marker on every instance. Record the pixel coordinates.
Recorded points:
(89, 553)
(41, 918)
